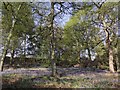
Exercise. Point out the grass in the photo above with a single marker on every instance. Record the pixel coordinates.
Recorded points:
(73, 81)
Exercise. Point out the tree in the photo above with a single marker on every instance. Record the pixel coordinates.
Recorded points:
(107, 17)
(17, 25)
(9, 36)
(81, 33)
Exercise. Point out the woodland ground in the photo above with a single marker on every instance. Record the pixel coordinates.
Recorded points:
(69, 78)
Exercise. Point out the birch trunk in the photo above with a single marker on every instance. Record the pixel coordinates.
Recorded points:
(8, 39)
(6, 46)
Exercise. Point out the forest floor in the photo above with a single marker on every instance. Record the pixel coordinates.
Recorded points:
(69, 78)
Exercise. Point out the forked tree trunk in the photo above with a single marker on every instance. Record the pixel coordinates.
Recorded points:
(109, 48)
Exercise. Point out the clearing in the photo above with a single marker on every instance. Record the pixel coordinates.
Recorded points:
(68, 78)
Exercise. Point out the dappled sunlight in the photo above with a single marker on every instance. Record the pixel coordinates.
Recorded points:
(59, 45)
(78, 79)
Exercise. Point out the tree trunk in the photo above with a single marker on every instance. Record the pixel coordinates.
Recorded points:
(53, 64)
(6, 47)
(117, 62)
(53, 42)
(78, 50)
(12, 57)
(89, 54)
(109, 48)
(111, 63)
(2, 59)
(110, 52)
(8, 40)
(25, 43)
(79, 57)
(116, 56)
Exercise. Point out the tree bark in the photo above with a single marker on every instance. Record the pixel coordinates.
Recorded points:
(108, 40)
(6, 45)
(53, 42)
(79, 56)
(111, 63)
(12, 57)
(25, 43)
(109, 47)
(2, 59)
(8, 40)
(110, 51)
(89, 54)
(116, 55)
